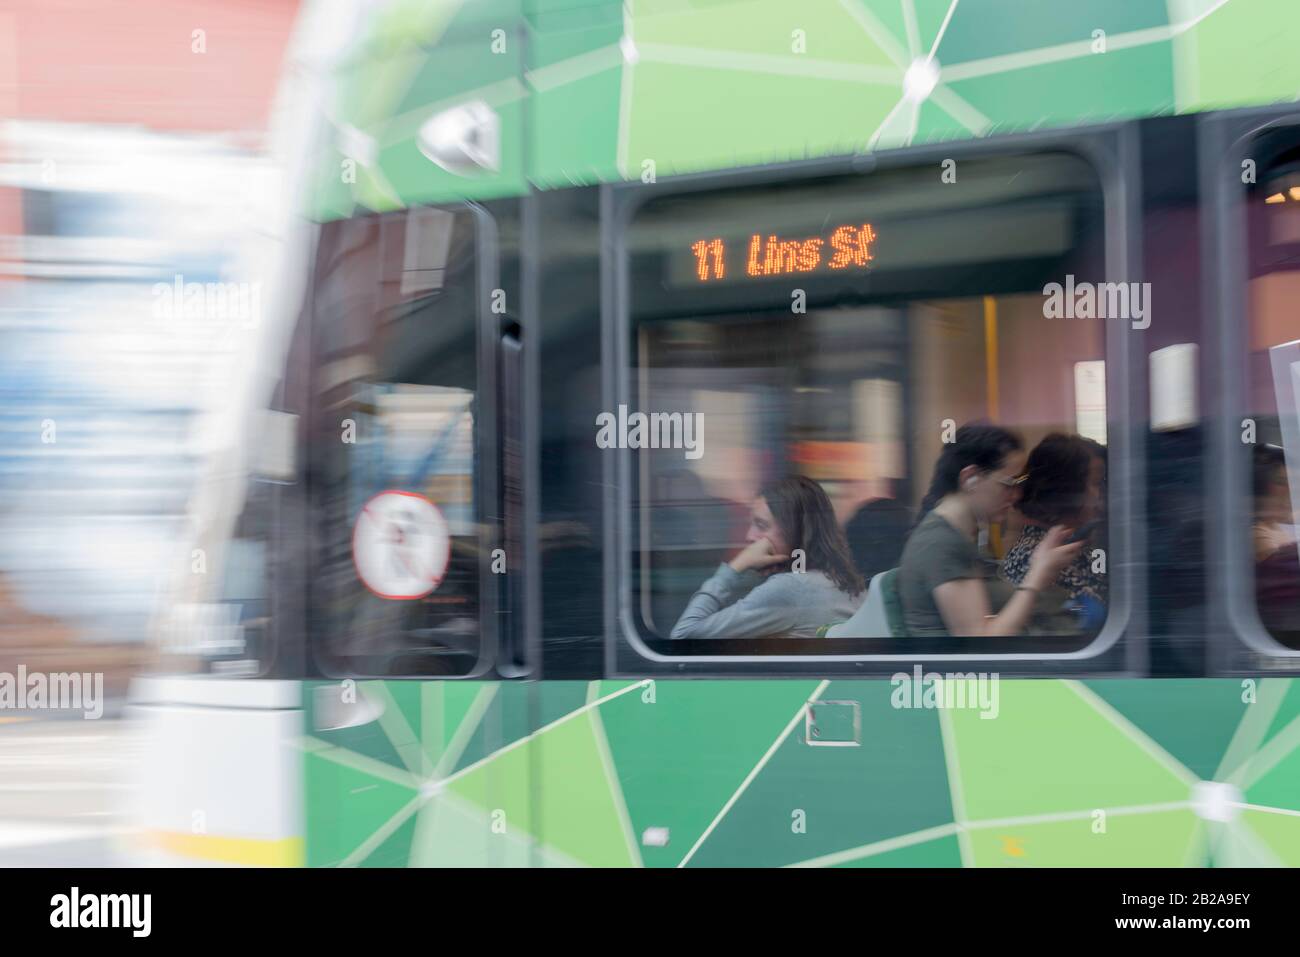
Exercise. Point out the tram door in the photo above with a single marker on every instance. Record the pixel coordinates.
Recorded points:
(418, 723)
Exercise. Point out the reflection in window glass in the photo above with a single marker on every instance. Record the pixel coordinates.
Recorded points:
(393, 450)
(1272, 383)
(841, 329)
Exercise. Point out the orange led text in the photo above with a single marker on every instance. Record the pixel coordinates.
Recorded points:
(772, 255)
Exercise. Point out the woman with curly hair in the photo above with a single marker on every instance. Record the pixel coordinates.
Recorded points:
(1064, 485)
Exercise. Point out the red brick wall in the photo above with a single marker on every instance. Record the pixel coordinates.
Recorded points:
(130, 61)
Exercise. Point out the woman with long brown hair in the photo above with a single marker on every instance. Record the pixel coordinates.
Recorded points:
(793, 576)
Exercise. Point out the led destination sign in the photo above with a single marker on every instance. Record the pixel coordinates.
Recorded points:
(848, 247)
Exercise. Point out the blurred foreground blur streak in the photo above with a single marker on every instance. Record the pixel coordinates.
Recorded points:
(132, 163)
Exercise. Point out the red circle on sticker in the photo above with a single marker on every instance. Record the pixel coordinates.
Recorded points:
(401, 545)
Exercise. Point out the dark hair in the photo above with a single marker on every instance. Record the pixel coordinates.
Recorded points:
(806, 518)
(876, 534)
(976, 443)
(1268, 459)
(1057, 478)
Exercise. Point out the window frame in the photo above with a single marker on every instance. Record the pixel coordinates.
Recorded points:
(1239, 642)
(486, 481)
(1112, 151)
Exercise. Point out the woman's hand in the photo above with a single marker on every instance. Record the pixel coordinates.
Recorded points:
(759, 556)
(1051, 555)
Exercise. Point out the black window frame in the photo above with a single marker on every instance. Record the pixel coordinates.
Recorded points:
(486, 479)
(1120, 647)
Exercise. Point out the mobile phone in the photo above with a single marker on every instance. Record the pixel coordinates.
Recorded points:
(1083, 532)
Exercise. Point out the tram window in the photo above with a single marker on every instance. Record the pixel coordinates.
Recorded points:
(842, 329)
(1273, 391)
(392, 452)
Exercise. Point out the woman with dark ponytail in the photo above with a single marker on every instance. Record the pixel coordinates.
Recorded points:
(795, 573)
(942, 582)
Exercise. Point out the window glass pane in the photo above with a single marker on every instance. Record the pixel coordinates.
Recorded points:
(393, 448)
(1272, 381)
(842, 329)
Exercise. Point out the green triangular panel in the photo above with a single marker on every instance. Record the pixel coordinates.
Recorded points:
(347, 807)
(432, 721)
(1280, 832)
(368, 739)
(424, 714)
(445, 705)
(1163, 839)
(812, 800)
(558, 698)
(1092, 88)
(406, 694)
(502, 784)
(1049, 750)
(763, 32)
(576, 20)
(577, 80)
(934, 124)
(457, 697)
(396, 849)
(944, 852)
(1032, 26)
(581, 132)
(1287, 711)
(453, 833)
(929, 15)
(742, 119)
(888, 14)
(399, 720)
(505, 720)
(606, 688)
(571, 809)
(577, 809)
(1193, 720)
(1280, 785)
(1238, 845)
(680, 758)
(1228, 59)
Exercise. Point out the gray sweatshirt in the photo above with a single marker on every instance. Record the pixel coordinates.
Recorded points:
(788, 604)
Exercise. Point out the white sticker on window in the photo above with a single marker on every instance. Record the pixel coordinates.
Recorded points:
(401, 545)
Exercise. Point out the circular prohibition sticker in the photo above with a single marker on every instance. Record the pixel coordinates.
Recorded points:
(401, 545)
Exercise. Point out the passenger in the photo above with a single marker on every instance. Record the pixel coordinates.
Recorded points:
(876, 533)
(757, 593)
(1277, 563)
(1064, 485)
(1272, 528)
(943, 584)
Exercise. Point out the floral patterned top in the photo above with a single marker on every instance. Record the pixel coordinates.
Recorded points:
(1077, 578)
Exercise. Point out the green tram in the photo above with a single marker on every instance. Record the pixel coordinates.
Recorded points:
(829, 229)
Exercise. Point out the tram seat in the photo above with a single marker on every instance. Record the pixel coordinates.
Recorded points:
(881, 614)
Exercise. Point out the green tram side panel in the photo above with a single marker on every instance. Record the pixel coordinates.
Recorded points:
(1067, 773)
(587, 92)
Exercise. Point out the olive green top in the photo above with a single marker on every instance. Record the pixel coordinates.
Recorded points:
(937, 553)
